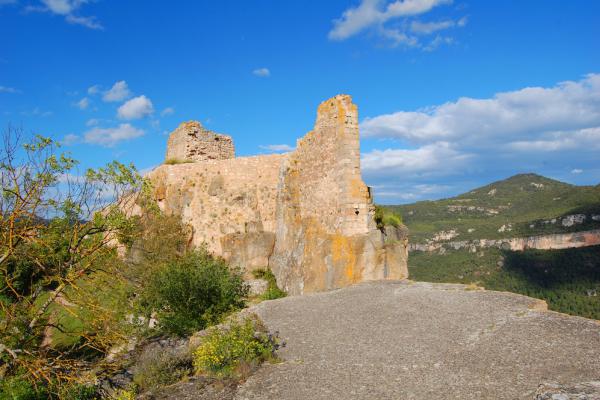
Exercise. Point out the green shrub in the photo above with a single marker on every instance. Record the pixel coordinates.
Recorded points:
(385, 217)
(392, 219)
(158, 367)
(78, 392)
(175, 161)
(224, 351)
(17, 388)
(193, 292)
(273, 291)
(124, 395)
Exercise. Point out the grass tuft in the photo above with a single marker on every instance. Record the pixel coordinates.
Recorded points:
(273, 291)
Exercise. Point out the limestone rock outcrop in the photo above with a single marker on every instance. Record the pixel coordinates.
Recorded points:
(307, 215)
(553, 241)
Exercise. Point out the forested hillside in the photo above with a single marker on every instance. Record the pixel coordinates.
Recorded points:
(523, 205)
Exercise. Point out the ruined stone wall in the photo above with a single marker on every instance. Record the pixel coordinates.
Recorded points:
(325, 211)
(307, 215)
(220, 197)
(327, 164)
(192, 142)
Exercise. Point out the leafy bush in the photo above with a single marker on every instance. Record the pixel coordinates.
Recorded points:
(392, 219)
(124, 395)
(160, 239)
(157, 367)
(175, 161)
(386, 217)
(273, 291)
(17, 388)
(78, 392)
(56, 230)
(193, 292)
(227, 350)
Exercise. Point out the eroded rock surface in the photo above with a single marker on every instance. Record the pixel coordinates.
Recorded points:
(541, 242)
(402, 340)
(579, 391)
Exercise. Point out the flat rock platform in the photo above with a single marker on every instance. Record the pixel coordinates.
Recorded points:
(414, 340)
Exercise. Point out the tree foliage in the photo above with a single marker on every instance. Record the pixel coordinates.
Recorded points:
(568, 280)
(57, 228)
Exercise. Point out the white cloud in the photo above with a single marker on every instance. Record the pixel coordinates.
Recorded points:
(83, 103)
(92, 122)
(437, 158)
(376, 13)
(67, 9)
(507, 116)
(93, 90)
(6, 89)
(37, 112)
(88, 22)
(70, 139)
(108, 137)
(262, 72)
(468, 142)
(588, 138)
(118, 92)
(411, 193)
(136, 108)
(437, 42)
(7, 2)
(399, 38)
(426, 28)
(63, 7)
(576, 171)
(167, 111)
(277, 147)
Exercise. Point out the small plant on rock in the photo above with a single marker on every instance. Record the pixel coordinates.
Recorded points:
(226, 351)
(175, 161)
(384, 217)
(273, 291)
(158, 367)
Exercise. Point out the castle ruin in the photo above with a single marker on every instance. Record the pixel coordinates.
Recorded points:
(190, 142)
(307, 215)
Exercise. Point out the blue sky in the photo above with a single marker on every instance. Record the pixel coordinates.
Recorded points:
(451, 94)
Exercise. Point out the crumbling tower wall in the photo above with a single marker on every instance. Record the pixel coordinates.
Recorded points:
(326, 212)
(191, 142)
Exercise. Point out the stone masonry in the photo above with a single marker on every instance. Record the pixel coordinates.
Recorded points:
(192, 142)
(307, 215)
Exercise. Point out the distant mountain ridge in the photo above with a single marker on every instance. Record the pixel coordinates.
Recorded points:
(519, 206)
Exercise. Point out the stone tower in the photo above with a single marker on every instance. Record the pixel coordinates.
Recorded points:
(191, 142)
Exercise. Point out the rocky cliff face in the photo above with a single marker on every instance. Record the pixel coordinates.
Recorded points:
(307, 214)
(540, 242)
